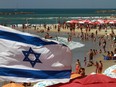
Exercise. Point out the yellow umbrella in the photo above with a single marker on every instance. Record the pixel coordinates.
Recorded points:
(74, 75)
(13, 85)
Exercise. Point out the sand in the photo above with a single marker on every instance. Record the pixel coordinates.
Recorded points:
(88, 70)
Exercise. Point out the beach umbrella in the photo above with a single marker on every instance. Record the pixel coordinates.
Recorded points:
(73, 21)
(100, 21)
(68, 21)
(74, 75)
(81, 22)
(87, 21)
(96, 23)
(111, 71)
(13, 85)
(111, 22)
(93, 80)
(106, 21)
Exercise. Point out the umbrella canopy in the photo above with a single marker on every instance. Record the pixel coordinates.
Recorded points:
(101, 21)
(94, 80)
(74, 75)
(87, 21)
(96, 23)
(72, 21)
(106, 21)
(111, 71)
(112, 22)
(13, 85)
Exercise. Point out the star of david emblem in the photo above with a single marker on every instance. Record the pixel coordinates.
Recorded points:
(31, 56)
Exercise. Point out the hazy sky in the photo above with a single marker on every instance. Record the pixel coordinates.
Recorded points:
(57, 3)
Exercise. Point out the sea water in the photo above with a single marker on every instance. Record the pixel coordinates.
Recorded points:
(72, 44)
(53, 16)
(79, 48)
(50, 16)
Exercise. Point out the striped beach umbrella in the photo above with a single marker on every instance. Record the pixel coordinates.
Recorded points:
(111, 71)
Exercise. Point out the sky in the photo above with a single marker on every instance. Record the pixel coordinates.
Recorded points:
(57, 3)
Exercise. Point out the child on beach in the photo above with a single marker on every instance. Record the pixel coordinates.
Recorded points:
(82, 72)
(78, 65)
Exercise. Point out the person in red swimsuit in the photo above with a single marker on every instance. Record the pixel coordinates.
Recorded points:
(77, 68)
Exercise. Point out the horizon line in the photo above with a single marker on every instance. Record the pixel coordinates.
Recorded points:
(57, 8)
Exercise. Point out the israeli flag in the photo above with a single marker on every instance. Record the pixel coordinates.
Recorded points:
(28, 58)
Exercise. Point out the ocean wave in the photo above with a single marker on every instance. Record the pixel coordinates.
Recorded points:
(42, 18)
(72, 45)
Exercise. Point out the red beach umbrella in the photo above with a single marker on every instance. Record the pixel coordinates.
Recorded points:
(87, 21)
(96, 23)
(81, 21)
(106, 21)
(112, 22)
(101, 21)
(95, 80)
(74, 21)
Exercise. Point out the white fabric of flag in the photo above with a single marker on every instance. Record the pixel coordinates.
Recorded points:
(26, 57)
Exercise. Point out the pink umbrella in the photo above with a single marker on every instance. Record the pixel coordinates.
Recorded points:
(87, 21)
(111, 22)
(81, 21)
(74, 21)
(101, 21)
(106, 21)
(96, 23)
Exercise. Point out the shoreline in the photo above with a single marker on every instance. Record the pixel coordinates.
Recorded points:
(88, 70)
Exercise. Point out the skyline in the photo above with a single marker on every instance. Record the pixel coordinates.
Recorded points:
(39, 4)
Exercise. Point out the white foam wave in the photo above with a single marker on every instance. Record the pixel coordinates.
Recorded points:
(72, 45)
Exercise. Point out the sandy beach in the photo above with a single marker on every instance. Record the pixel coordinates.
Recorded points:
(106, 63)
(79, 53)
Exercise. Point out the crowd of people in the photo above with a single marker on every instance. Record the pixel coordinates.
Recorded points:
(85, 34)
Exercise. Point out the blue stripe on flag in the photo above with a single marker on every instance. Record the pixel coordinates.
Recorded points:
(24, 38)
(36, 74)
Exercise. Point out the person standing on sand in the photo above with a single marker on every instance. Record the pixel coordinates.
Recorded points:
(100, 41)
(104, 45)
(100, 67)
(97, 67)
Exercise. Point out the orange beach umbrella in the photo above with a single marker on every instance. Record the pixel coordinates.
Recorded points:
(13, 85)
